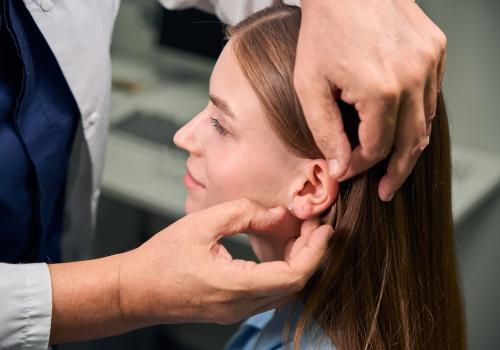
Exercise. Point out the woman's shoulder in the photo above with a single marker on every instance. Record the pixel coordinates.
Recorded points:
(314, 338)
(265, 331)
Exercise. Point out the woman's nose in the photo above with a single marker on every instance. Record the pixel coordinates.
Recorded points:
(185, 138)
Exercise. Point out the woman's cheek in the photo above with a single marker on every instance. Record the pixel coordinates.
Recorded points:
(236, 170)
(226, 188)
(228, 180)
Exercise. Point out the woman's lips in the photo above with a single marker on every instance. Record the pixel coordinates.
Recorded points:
(190, 181)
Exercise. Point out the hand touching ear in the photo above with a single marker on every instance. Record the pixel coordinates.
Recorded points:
(315, 190)
(386, 58)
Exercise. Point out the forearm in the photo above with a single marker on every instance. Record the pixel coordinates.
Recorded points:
(86, 300)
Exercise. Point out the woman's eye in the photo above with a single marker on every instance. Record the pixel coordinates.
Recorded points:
(215, 123)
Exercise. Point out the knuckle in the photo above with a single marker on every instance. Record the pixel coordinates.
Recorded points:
(425, 61)
(442, 39)
(387, 89)
(422, 144)
(417, 76)
(432, 57)
(431, 52)
(388, 92)
(377, 152)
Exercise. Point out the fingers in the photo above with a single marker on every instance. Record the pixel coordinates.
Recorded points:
(307, 259)
(412, 138)
(281, 278)
(376, 130)
(232, 217)
(324, 120)
(296, 244)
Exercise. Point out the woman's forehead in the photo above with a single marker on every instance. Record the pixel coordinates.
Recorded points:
(230, 85)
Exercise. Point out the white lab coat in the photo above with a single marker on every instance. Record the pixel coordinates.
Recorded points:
(79, 34)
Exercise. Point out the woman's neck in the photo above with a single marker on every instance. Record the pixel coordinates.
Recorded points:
(271, 245)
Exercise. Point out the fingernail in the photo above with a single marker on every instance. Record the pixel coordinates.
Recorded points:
(390, 197)
(333, 166)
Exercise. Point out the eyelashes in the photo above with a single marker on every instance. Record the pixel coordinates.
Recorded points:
(217, 126)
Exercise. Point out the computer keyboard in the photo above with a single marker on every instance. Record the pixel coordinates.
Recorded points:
(158, 128)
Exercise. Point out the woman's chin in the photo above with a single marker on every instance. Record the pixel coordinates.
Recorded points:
(191, 206)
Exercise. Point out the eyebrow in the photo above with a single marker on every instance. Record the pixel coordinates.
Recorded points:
(221, 104)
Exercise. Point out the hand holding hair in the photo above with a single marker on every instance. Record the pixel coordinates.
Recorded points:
(385, 57)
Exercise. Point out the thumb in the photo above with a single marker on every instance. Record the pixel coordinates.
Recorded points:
(297, 243)
(283, 278)
(324, 119)
(306, 260)
(233, 217)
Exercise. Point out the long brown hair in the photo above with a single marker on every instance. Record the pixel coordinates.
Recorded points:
(389, 279)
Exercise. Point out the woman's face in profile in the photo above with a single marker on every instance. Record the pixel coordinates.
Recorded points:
(233, 152)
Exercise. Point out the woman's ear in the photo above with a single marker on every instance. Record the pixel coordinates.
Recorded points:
(315, 191)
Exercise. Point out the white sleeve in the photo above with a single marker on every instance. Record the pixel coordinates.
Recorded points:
(228, 11)
(25, 306)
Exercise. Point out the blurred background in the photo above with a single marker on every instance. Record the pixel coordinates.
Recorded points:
(162, 62)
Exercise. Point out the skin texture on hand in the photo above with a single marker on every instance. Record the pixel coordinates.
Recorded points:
(201, 281)
(385, 57)
(183, 274)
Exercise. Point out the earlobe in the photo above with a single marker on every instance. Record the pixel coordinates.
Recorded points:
(316, 191)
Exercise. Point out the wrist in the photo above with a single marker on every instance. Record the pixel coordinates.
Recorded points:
(133, 299)
(86, 300)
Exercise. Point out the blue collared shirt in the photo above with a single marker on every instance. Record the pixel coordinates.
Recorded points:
(38, 119)
(264, 331)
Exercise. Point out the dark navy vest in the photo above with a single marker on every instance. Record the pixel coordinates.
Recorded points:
(38, 119)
